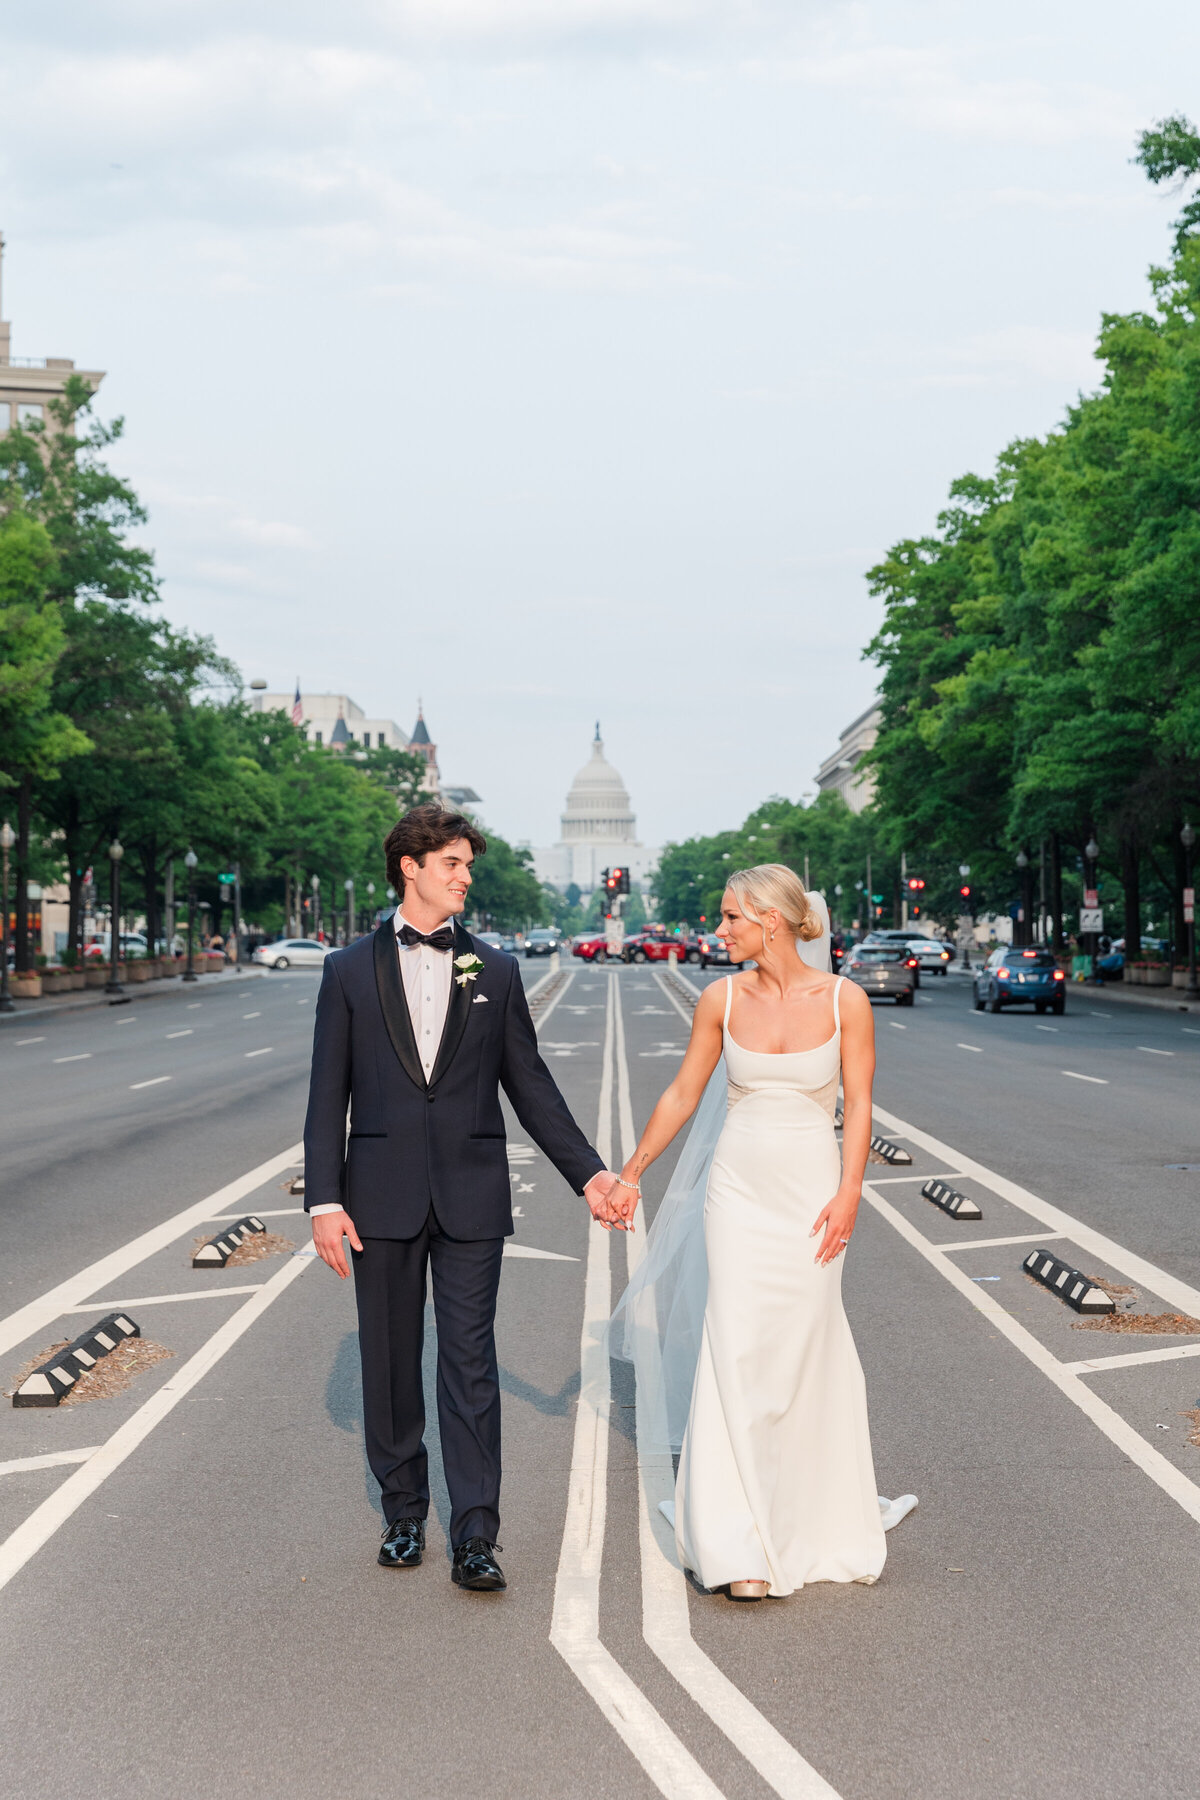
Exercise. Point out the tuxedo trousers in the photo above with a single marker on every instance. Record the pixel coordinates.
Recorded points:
(390, 1276)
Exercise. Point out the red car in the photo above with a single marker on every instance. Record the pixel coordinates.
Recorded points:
(592, 948)
(651, 946)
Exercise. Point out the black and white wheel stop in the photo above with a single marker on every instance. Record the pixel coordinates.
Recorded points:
(890, 1152)
(217, 1252)
(951, 1199)
(296, 1185)
(1079, 1291)
(59, 1373)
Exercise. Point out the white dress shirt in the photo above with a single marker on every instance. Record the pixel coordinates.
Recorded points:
(427, 976)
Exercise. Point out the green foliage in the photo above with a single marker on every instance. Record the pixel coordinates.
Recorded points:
(505, 894)
(36, 738)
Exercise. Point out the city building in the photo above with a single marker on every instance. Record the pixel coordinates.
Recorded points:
(599, 831)
(335, 719)
(29, 383)
(840, 773)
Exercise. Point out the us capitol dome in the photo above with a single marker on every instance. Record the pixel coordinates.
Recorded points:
(599, 830)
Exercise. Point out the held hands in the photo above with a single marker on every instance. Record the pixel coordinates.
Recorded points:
(611, 1204)
(328, 1230)
(838, 1220)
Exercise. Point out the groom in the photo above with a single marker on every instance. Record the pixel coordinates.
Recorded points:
(418, 1028)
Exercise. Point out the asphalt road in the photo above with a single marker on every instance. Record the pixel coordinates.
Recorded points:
(191, 1605)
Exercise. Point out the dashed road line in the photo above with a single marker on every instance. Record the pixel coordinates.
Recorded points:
(265, 1052)
(154, 1081)
(80, 1056)
(186, 1032)
(253, 1015)
(896, 1025)
(1151, 1051)
(1096, 1080)
(41, 1040)
(977, 1048)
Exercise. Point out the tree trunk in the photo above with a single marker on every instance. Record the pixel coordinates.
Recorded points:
(1056, 900)
(1131, 881)
(24, 956)
(150, 882)
(1179, 931)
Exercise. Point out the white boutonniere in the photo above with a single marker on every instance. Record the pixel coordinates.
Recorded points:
(468, 968)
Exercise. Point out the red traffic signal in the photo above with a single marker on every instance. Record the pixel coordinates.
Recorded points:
(915, 883)
(965, 892)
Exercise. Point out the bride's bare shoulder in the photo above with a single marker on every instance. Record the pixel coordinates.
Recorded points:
(711, 1003)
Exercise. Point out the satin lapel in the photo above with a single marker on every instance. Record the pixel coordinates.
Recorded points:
(392, 1000)
(458, 1011)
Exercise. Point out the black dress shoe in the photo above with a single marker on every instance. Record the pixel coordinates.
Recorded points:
(403, 1544)
(476, 1568)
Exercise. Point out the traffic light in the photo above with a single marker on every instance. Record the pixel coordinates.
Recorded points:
(915, 883)
(965, 892)
(611, 880)
(618, 881)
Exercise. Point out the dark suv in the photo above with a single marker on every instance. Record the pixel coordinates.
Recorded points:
(1020, 978)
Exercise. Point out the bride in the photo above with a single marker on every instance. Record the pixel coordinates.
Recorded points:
(735, 1320)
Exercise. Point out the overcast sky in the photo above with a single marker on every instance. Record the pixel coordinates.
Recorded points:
(564, 359)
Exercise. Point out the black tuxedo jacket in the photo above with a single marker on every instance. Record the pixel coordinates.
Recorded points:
(415, 1144)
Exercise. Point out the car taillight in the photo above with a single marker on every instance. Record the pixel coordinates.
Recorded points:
(1058, 975)
(912, 962)
(945, 956)
(1002, 974)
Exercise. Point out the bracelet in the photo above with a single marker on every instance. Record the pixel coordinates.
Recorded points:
(631, 1185)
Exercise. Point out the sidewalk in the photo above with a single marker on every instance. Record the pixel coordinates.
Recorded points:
(1159, 999)
(135, 990)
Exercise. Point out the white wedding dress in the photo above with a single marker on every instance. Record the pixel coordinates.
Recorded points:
(775, 1474)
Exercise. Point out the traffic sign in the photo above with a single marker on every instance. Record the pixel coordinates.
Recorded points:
(1091, 918)
(1091, 897)
(227, 880)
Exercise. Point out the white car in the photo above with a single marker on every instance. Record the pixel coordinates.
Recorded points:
(933, 955)
(292, 953)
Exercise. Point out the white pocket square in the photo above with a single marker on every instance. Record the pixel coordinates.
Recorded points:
(479, 1000)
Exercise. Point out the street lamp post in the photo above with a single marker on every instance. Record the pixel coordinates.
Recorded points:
(316, 894)
(1026, 933)
(349, 887)
(189, 863)
(116, 851)
(964, 869)
(1188, 837)
(8, 838)
(371, 902)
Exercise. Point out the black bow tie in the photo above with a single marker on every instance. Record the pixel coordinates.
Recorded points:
(441, 939)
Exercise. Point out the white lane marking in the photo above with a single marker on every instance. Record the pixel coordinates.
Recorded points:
(153, 1082)
(45, 1519)
(1098, 1015)
(50, 1459)
(1152, 1463)
(896, 1025)
(575, 1621)
(1190, 1029)
(1149, 1050)
(82, 1056)
(542, 1255)
(266, 1052)
(193, 1004)
(666, 1626)
(1045, 1028)
(1026, 1237)
(1178, 1294)
(41, 1040)
(1096, 1080)
(977, 1048)
(1096, 1365)
(187, 1032)
(103, 1306)
(253, 1015)
(131, 1020)
(37, 1314)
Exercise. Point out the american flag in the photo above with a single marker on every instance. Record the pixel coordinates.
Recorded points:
(297, 714)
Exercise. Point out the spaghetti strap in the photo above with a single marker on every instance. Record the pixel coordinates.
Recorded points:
(728, 1001)
(837, 991)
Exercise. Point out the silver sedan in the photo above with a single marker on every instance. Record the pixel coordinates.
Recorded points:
(292, 953)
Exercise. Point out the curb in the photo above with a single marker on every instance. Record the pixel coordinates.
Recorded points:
(56, 1377)
(141, 990)
(1075, 1289)
(951, 1200)
(218, 1250)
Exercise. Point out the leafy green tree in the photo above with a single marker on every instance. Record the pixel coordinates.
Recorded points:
(505, 894)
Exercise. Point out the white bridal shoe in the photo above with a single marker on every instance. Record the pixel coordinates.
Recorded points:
(892, 1511)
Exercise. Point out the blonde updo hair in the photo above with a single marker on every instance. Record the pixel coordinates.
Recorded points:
(774, 884)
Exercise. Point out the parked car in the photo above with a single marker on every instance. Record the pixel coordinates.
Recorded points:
(491, 938)
(1020, 978)
(292, 953)
(713, 953)
(690, 949)
(933, 956)
(541, 943)
(884, 971)
(592, 946)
